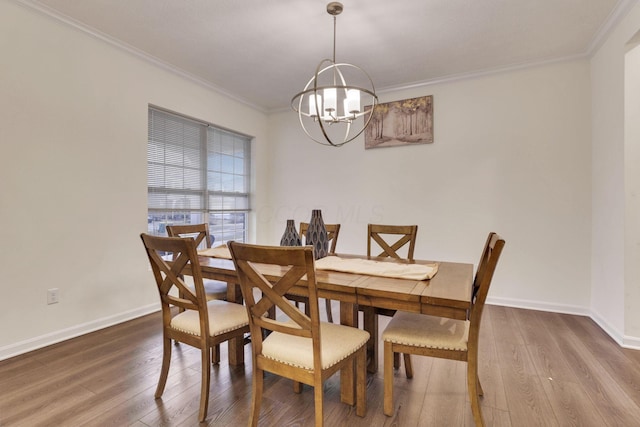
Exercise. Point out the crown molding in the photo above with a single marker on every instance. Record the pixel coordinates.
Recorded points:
(617, 14)
(481, 73)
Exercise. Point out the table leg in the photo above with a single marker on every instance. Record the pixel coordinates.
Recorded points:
(371, 325)
(236, 345)
(348, 317)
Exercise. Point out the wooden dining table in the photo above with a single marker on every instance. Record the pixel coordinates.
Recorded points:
(447, 294)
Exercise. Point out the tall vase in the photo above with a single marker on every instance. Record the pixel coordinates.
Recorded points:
(290, 236)
(317, 235)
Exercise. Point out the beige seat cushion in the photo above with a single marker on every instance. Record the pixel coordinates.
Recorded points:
(223, 317)
(420, 330)
(337, 343)
(215, 289)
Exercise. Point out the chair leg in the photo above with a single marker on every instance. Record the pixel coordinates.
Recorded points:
(297, 387)
(408, 368)
(361, 382)
(206, 382)
(480, 391)
(388, 379)
(318, 396)
(474, 395)
(256, 398)
(329, 311)
(215, 354)
(164, 371)
(396, 360)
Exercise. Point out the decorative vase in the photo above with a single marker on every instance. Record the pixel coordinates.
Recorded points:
(317, 235)
(290, 236)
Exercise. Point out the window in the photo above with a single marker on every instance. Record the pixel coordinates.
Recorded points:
(197, 173)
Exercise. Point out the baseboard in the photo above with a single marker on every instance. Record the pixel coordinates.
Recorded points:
(622, 340)
(74, 331)
(541, 306)
(625, 341)
(632, 343)
(613, 332)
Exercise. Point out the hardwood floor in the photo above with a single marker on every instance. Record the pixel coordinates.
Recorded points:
(537, 369)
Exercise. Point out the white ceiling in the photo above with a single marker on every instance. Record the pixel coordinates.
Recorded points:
(263, 52)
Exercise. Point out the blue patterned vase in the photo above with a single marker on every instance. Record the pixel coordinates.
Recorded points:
(317, 235)
(290, 236)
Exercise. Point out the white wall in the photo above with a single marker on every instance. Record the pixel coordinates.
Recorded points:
(511, 155)
(632, 190)
(614, 301)
(73, 175)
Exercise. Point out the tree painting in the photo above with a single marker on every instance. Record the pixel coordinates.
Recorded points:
(406, 122)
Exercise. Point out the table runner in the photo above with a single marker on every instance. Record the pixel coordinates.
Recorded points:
(378, 268)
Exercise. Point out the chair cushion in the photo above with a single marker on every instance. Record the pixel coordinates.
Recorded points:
(223, 317)
(420, 330)
(215, 289)
(337, 342)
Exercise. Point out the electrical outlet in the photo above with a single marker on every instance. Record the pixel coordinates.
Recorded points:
(53, 295)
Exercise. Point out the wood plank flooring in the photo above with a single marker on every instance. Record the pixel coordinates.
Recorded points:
(536, 368)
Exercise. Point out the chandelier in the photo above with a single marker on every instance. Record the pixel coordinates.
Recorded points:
(328, 106)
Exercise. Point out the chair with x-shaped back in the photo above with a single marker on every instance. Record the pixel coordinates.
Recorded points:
(381, 234)
(214, 289)
(434, 336)
(202, 324)
(303, 348)
(391, 239)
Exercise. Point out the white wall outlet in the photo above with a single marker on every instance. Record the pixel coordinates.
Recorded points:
(52, 295)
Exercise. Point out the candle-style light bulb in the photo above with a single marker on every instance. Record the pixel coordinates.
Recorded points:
(330, 100)
(313, 112)
(353, 101)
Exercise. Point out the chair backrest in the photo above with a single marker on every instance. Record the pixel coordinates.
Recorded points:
(333, 230)
(199, 232)
(272, 271)
(169, 276)
(482, 282)
(404, 234)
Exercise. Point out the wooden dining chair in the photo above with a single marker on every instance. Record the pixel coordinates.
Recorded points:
(424, 335)
(303, 348)
(214, 289)
(333, 231)
(391, 239)
(202, 324)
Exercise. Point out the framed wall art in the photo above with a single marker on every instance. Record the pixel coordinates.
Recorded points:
(406, 122)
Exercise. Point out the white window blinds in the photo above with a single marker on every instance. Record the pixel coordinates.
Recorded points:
(197, 173)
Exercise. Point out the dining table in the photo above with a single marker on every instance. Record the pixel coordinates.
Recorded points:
(447, 294)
